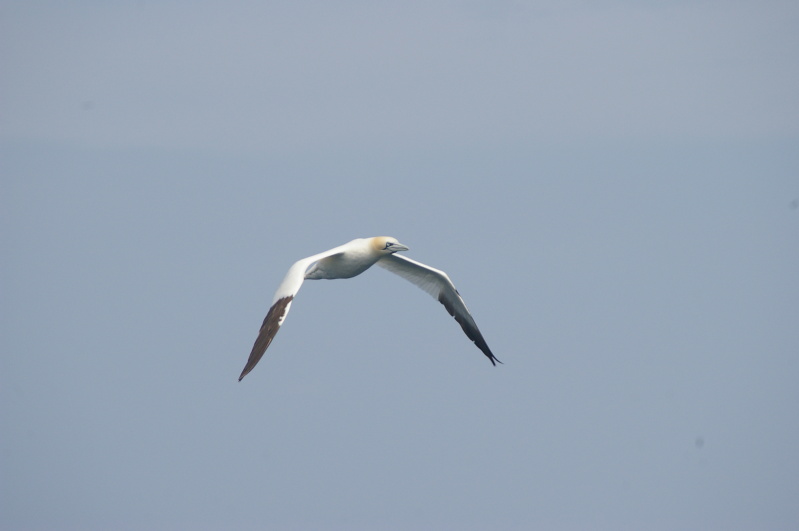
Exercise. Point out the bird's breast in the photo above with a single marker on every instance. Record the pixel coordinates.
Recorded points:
(344, 265)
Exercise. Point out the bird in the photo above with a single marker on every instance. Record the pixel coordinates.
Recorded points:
(350, 260)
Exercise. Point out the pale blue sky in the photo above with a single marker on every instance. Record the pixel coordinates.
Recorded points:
(613, 187)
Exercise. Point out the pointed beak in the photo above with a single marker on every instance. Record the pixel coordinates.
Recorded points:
(398, 247)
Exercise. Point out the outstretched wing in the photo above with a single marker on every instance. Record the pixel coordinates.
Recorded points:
(281, 303)
(438, 284)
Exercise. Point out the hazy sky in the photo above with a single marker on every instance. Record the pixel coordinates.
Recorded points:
(613, 186)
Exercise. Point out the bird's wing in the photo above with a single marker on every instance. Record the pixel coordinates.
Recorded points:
(438, 284)
(281, 303)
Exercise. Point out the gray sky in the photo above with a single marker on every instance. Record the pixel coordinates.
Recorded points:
(613, 187)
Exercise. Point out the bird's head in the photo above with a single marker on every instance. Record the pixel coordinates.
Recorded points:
(387, 245)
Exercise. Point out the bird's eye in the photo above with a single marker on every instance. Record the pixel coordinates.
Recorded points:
(388, 244)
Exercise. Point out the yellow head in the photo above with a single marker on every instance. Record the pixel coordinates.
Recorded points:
(387, 244)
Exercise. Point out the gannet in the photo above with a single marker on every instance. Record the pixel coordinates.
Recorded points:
(352, 259)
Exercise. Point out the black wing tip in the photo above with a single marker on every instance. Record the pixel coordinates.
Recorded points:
(481, 344)
(247, 368)
(267, 333)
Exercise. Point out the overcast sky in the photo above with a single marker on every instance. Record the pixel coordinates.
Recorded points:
(613, 187)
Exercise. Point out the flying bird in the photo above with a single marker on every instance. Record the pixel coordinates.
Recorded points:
(352, 259)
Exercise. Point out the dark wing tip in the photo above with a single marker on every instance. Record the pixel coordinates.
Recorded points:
(470, 329)
(481, 344)
(267, 333)
(248, 368)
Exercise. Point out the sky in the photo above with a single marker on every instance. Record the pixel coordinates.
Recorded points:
(613, 187)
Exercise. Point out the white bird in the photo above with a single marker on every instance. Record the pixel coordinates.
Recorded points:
(349, 260)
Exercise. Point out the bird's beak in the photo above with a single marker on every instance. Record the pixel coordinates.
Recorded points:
(398, 247)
